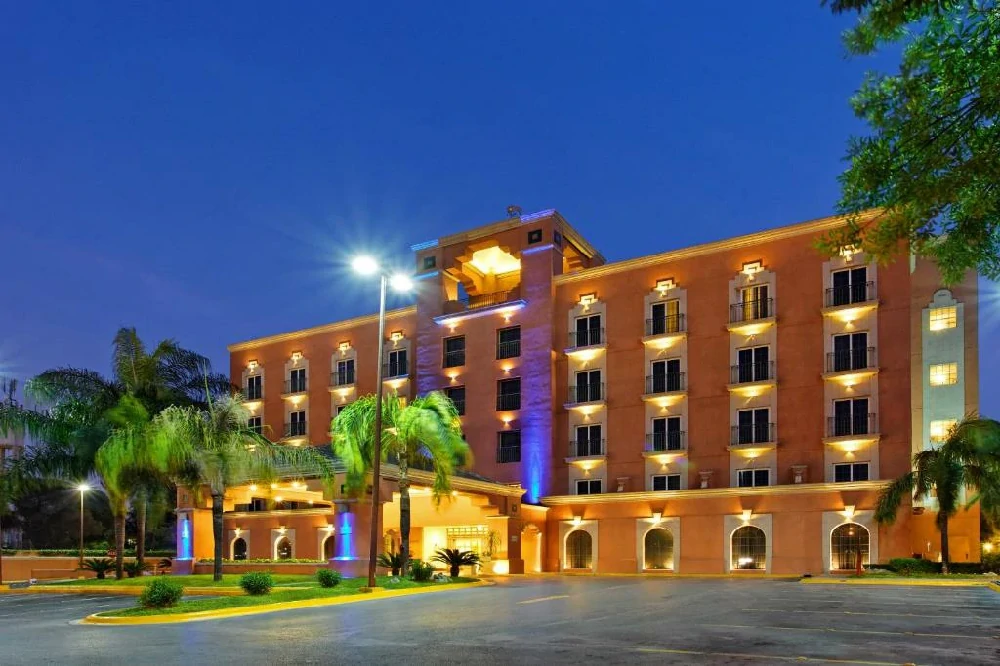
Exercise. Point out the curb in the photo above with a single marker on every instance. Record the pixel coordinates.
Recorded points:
(222, 613)
(923, 582)
(123, 590)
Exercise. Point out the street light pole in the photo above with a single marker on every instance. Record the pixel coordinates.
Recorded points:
(377, 445)
(83, 487)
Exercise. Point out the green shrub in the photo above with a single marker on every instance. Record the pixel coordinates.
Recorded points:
(910, 565)
(455, 558)
(257, 582)
(132, 569)
(328, 577)
(392, 561)
(421, 571)
(161, 593)
(100, 566)
(991, 563)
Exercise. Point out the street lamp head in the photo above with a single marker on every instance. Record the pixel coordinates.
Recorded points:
(83, 487)
(364, 264)
(401, 283)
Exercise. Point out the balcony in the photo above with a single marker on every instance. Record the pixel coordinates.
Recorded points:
(586, 450)
(454, 359)
(508, 454)
(665, 445)
(476, 302)
(295, 431)
(661, 387)
(850, 432)
(253, 395)
(341, 380)
(586, 343)
(756, 436)
(751, 379)
(663, 332)
(459, 405)
(294, 387)
(392, 371)
(852, 295)
(585, 396)
(751, 317)
(508, 349)
(508, 402)
(850, 365)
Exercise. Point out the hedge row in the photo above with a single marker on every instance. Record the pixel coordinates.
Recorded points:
(87, 552)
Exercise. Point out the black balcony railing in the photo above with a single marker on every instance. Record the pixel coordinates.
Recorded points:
(342, 378)
(296, 429)
(508, 349)
(454, 359)
(846, 360)
(762, 308)
(475, 301)
(459, 405)
(585, 393)
(253, 392)
(756, 433)
(588, 338)
(666, 441)
(666, 325)
(295, 385)
(508, 402)
(582, 448)
(744, 373)
(855, 424)
(670, 382)
(394, 370)
(848, 294)
(508, 453)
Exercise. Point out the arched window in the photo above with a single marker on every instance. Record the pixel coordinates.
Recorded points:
(239, 548)
(846, 542)
(749, 548)
(328, 544)
(659, 549)
(579, 550)
(284, 549)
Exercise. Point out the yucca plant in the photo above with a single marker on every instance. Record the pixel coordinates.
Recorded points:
(136, 568)
(392, 561)
(100, 566)
(455, 559)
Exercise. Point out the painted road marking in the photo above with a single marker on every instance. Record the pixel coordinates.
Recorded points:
(831, 612)
(535, 601)
(768, 657)
(851, 631)
(882, 603)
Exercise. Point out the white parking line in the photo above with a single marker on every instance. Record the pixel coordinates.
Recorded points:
(876, 602)
(838, 612)
(535, 601)
(833, 630)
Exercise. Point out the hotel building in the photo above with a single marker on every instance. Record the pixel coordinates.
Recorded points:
(733, 407)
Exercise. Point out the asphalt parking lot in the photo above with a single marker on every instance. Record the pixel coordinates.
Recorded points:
(544, 620)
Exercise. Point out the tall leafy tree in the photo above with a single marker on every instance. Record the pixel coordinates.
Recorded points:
(214, 449)
(964, 469)
(931, 163)
(426, 434)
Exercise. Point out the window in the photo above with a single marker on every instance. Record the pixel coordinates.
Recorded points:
(849, 286)
(588, 387)
(345, 373)
(847, 542)
(666, 376)
(588, 441)
(666, 482)
(508, 394)
(329, 549)
(588, 332)
(658, 550)
(297, 424)
(283, 549)
(396, 367)
(753, 427)
(254, 388)
(749, 548)
(588, 487)
(579, 550)
(509, 446)
(850, 352)
(847, 472)
(753, 364)
(557, 238)
(943, 318)
(256, 424)
(664, 318)
(297, 380)
(454, 351)
(430, 262)
(755, 303)
(534, 236)
(239, 549)
(509, 342)
(752, 478)
(457, 395)
(666, 434)
(850, 417)
(944, 374)
(940, 429)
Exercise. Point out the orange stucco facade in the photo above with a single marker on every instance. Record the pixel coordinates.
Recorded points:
(733, 407)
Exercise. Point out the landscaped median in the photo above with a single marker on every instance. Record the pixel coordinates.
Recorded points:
(302, 593)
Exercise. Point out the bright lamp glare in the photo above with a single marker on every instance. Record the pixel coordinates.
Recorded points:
(83, 487)
(401, 283)
(365, 265)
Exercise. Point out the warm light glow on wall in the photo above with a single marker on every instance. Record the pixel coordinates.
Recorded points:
(664, 286)
(296, 357)
(587, 300)
(750, 330)
(751, 268)
(252, 365)
(494, 261)
(396, 336)
(279, 498)
(253, 487)
(584, 355)
(344, 346)
(577, 520)
(848, 252)
(746, 515)
(296, 399)
(848, 510)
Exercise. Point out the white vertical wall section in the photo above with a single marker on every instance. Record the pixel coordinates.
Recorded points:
(586, 361)
(942, 346)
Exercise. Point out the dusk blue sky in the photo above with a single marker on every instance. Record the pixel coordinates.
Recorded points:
(201, 170)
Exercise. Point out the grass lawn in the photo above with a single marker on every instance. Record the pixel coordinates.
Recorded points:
(346, 587)
(194, 580)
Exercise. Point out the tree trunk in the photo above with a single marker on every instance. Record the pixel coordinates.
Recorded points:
(454, 571)
(943, 528)
(141, 504)
(1, 548)
(217, 534)
(120, 544)
(404, 514)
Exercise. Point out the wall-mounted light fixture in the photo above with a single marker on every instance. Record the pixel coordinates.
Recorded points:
(746, 515)
(396, 336)
(751, 268)
(252, 365)
(665, 285)
(296, 356)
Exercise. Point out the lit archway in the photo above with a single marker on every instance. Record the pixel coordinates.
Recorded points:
(239, 548)
(749, 548)
(579, 550)
(328, 547)
(283, 549)
(658, 549)
(847, 541)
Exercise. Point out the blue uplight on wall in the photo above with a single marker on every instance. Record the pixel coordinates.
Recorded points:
(345, 541)
(185, 549)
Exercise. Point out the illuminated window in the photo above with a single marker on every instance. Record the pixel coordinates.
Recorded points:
(944, 374)
(659, 549)
(749, 548)
(940, 429)
(579, 550)
(847, 542)
(942, 318)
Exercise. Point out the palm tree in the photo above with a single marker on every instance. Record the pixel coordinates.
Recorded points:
(215, 449)
(426, 434)
(969, 459)
(455, 559)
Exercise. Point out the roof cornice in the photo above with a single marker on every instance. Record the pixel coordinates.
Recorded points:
(424, 477)
(324, 328)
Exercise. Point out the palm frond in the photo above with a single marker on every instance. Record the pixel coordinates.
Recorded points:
(892, 496)
(73, 384)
